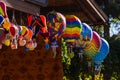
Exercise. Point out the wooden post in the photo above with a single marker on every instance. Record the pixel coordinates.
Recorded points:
(106, 30)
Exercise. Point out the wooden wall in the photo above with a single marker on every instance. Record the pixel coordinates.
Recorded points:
(30, 65)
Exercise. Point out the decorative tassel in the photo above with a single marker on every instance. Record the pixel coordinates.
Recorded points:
(54, 51)
(89, 64)
(97, 67)
(81, 53)
(54, 46)
(46, 44)
(14, 44)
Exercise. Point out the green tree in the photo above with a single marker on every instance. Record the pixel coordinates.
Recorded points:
(110, 7)
(112, 62)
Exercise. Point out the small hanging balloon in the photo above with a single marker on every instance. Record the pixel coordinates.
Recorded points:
(85, 38)
(72, 31)
(6, 42)
(103, 52)
(94, 46)
(13, 31)
(101, 55)
(38, 24)
(3, 10)
(85, 35)
(29, 35)
(44, 29)
(22, 42)
(56, 25)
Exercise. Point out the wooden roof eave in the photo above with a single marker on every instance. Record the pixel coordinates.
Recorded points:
(92, 11)
(100, 10)
(22, 6)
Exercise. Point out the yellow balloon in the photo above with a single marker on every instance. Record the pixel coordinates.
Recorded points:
(7, 25)
(6, 42)
(24, 29)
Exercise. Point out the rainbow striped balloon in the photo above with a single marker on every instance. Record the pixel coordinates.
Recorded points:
(94, 46)
(73, 28)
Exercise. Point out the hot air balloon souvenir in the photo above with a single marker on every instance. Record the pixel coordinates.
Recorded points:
(93, 47)
(72, 31)
(56, 24)
(85, 38)
(38, 24)
(101, 55)
(3, 12)
(13, 33)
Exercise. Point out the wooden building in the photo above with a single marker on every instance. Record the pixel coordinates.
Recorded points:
(39, 64)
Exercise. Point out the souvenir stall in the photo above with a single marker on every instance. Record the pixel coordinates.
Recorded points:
(25, 54)
(35, 36)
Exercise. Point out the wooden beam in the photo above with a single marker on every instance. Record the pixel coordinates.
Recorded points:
(103, 15)
(23, 6)
(63, 9)
(86, 10)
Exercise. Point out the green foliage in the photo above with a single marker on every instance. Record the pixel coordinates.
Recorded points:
(74, 69)
(112, 62)
(110, 7)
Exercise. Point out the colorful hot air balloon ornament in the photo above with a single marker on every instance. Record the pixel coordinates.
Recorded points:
(93, 47)
(72, 31)
(56, 24)
(101, 55)
(3, 12)
(85, 38)
(38, 24)
(13, 32)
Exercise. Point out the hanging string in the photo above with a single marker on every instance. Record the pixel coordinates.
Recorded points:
(21, 19)
(13, 18)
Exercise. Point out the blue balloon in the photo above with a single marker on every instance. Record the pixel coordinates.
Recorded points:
(86, 31)
(1, 19)
(103, 52)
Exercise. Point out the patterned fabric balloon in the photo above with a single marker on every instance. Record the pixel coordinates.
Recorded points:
(38, 25)
(100, 56)
(103, 52)
(94, 46)
(85, 36)
(56, 25)
(3, 12)
(3, 9)
(13, 31)
(73, 29)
